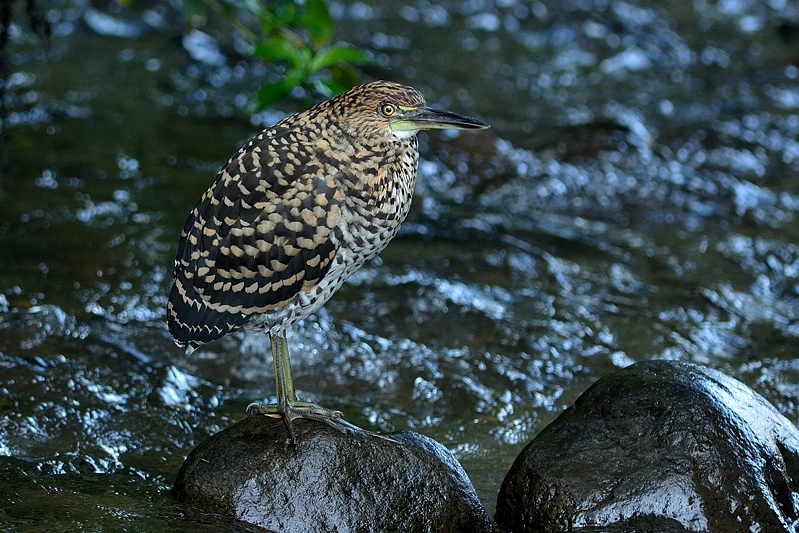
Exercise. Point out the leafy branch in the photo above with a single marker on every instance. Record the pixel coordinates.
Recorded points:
(298, 36)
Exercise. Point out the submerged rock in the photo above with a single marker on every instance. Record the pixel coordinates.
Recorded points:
(329, 481)
(659, 446)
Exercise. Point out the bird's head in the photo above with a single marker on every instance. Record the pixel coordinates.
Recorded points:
(383, 109)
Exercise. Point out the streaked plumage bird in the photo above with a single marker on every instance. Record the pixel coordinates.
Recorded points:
(298, 209)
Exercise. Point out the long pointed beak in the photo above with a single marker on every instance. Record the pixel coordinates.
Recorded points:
(426, 118)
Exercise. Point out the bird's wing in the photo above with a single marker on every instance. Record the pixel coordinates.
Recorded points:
(257, 237)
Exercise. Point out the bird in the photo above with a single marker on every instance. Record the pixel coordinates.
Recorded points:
(297, 210)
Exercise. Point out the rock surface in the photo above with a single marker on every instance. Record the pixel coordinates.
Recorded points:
(659, 446)
(329, 481)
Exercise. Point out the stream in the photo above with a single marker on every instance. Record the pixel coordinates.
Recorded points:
(636, 198)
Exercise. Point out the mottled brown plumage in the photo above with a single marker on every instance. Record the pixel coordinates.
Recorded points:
(295, 212)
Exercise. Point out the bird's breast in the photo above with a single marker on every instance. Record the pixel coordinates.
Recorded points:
(377, 200)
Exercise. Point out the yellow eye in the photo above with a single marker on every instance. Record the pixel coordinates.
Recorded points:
(388, 109)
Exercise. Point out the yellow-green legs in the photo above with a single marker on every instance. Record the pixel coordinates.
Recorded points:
(288, 407)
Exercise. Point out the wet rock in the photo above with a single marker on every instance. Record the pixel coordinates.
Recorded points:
(659, 446)
(329, 481)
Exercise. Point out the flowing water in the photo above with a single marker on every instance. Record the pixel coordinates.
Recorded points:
(636, 198)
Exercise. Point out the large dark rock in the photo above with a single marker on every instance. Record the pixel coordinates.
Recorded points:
(329, 481)
(659, 446)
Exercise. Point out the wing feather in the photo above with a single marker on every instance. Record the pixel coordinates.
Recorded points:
(263, 232)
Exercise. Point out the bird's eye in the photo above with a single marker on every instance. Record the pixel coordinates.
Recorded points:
(388, 109)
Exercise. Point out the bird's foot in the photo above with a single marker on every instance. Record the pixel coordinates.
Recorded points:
(293, 410)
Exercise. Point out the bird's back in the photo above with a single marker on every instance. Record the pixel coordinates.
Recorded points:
(288, 218)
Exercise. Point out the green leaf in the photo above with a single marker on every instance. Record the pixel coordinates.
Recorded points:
(278, 48)
(318, 21)
(195, 9)
(305, 61)
(285, 13)
(272, 93)
(342, 78)
(296, 34)
(333, 55)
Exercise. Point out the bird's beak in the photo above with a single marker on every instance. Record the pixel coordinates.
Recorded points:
(426, 118)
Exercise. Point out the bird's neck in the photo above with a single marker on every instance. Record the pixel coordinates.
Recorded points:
(382, 187)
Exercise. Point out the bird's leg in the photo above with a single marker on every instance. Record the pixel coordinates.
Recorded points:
(288, 407)
(283, 377)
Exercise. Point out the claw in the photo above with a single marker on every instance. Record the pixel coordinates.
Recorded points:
(293, 410)
(288, 407)
(309, 411)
